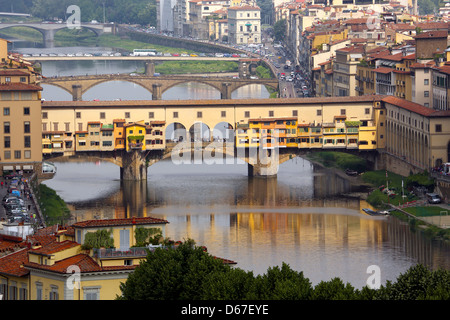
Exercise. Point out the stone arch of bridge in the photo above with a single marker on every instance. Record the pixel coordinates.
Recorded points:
(176, 83)
(92, 84)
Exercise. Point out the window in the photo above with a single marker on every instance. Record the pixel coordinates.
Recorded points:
(7, 79)
(27, 154)
(294, 113)
(199, 114)
(367, 111)
(426, 81)
(319, 112)
(6, 111)
(127, 115)
(426, 94)
(27, 141)
(7, 142)
(54, 293)
(107, 143)
(26, 111)
(91, 294)
(247, 114)
(55, 126)
(102, 115)
(271, 113)
(223, 114)
(7, 154)
(151, 115)
(6, 127)
(26, 127)
(17, 154)
(342, 112)
(78, 115)
(438, 128)
(175, 114)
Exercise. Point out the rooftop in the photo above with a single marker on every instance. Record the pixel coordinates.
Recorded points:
(118, 222)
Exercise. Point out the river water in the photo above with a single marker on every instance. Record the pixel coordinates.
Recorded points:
(300, 217)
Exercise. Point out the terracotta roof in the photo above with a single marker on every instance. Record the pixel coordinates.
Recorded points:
(83, 261)
(12, 72)
(432, 35)
(157, 122)
(444, 69)
(117, 222)
(179, 104)
(12, 264)
(55, 247)
(272, 119)
(419, 65)
(408, 105)
(383, 70)
(17, 86)
(245, 7)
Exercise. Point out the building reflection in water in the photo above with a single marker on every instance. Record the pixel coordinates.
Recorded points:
(299, 219)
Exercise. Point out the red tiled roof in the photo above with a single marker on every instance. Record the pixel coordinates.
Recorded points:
(83, 261)
(12, 72)
(432, 35)
(408, 105)
(384, 70)
(17, 86)
(117, 222)
(444, 69)
(12, 264)
(55, 247)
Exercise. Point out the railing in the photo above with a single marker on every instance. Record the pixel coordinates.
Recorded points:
(113, 253)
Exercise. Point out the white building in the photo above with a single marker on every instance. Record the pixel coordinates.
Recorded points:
(244, 24)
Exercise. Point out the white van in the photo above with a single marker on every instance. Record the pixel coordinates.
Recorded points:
(433, 198)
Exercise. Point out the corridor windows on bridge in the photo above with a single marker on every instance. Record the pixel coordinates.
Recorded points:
(26, 127)
(199, 114)
(223, 114)
(27, 141)
(102, 115)
(271, 113)
(127, 115)
(78, 115)
(7, 142)
(247, 114)
(6, 127)
(343, 112)
(44, 115)
(319, 112)
(175, 114)
(367, 111)
(294, 113)
(151, 115)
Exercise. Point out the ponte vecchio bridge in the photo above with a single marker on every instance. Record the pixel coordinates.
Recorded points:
(136, 134)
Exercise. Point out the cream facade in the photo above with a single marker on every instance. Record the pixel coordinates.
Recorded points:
(244, 25)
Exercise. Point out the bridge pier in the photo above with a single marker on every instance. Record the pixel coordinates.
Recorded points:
(225, 92)
(76, 92)
(156, 94)
(49, 38)
(134, 166)
(264, 163)
(149, 68)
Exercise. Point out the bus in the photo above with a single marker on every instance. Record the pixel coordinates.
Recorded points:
(144, 52)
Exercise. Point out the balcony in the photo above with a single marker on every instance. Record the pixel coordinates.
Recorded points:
(135, 145)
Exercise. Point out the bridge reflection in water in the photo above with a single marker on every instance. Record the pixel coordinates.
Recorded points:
(298, 218)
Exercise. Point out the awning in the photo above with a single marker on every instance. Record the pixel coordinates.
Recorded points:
(8, 168)
(28, 167)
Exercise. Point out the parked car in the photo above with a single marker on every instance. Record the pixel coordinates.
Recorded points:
(433, 198)
(13, 200)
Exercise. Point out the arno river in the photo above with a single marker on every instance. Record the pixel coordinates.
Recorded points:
(300, 217)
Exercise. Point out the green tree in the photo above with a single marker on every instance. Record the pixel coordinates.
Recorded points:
(279, 30)
(282, 284)
(172, 274)
(334, 289)
(235, 284)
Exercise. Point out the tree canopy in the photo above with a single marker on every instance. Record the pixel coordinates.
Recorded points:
(190, 273)
(121, 11)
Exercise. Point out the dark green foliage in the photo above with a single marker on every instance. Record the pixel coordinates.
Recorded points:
(52, 206)
(98, 239)
(189, 273)
(279, 30)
